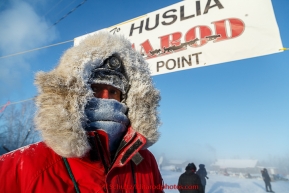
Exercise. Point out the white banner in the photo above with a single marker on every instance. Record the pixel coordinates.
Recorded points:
(196, 33)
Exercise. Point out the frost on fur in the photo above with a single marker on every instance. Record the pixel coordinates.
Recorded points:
(63, 93)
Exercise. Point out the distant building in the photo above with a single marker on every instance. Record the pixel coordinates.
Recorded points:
(236, 165)
(172, 165)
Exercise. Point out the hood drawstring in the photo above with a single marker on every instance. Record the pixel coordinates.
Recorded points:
(71, 175)
(133, 177)
(75, 183)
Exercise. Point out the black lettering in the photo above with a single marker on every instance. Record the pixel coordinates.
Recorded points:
(197, 57)
(133, 28)
(198, 8)
(179, 63)
(174, 17)
(183, 14)
(158, 66)
(217, 3)
(188, 62)
(156, 23)
(168, 65)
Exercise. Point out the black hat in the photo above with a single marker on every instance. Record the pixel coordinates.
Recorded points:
(112, 73)
(191, 166)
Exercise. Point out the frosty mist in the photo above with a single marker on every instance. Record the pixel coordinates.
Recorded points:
(22, 28)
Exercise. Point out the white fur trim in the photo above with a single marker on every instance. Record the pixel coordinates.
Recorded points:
(63, 93)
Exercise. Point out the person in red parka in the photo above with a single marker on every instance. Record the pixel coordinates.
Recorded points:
(97, 114)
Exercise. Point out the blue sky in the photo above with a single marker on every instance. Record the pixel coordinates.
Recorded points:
(235, 109)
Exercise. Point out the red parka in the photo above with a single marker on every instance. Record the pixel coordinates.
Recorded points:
(63, 94)
(37, 168)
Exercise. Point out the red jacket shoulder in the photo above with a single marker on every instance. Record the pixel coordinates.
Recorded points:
(25, 164)
(32, 156)
(147, 155)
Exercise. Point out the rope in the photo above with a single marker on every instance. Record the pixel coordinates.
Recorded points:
(4, 107)
(17, 102)
(52, 8)
(48, 28)
(68, 13)
(35, 49)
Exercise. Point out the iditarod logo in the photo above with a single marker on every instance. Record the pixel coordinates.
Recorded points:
(195, 37)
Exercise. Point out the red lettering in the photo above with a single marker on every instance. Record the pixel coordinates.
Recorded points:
(236, 28)
(195, 37)
(203, 32)
(171, 39)
(146, 47)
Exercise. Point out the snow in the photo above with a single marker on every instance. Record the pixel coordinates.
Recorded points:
(236, 163)
(11, 153)
(22, 149)
(218, 183)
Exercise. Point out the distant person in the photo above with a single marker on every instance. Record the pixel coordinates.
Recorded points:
(266, 179)
(202, 172)
(190, 182)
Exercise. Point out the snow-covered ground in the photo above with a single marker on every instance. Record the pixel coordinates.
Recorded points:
(227, 184)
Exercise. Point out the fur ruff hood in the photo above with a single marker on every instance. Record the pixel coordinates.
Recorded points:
(64, 92)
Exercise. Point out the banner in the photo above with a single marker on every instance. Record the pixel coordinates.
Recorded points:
(196, 33)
